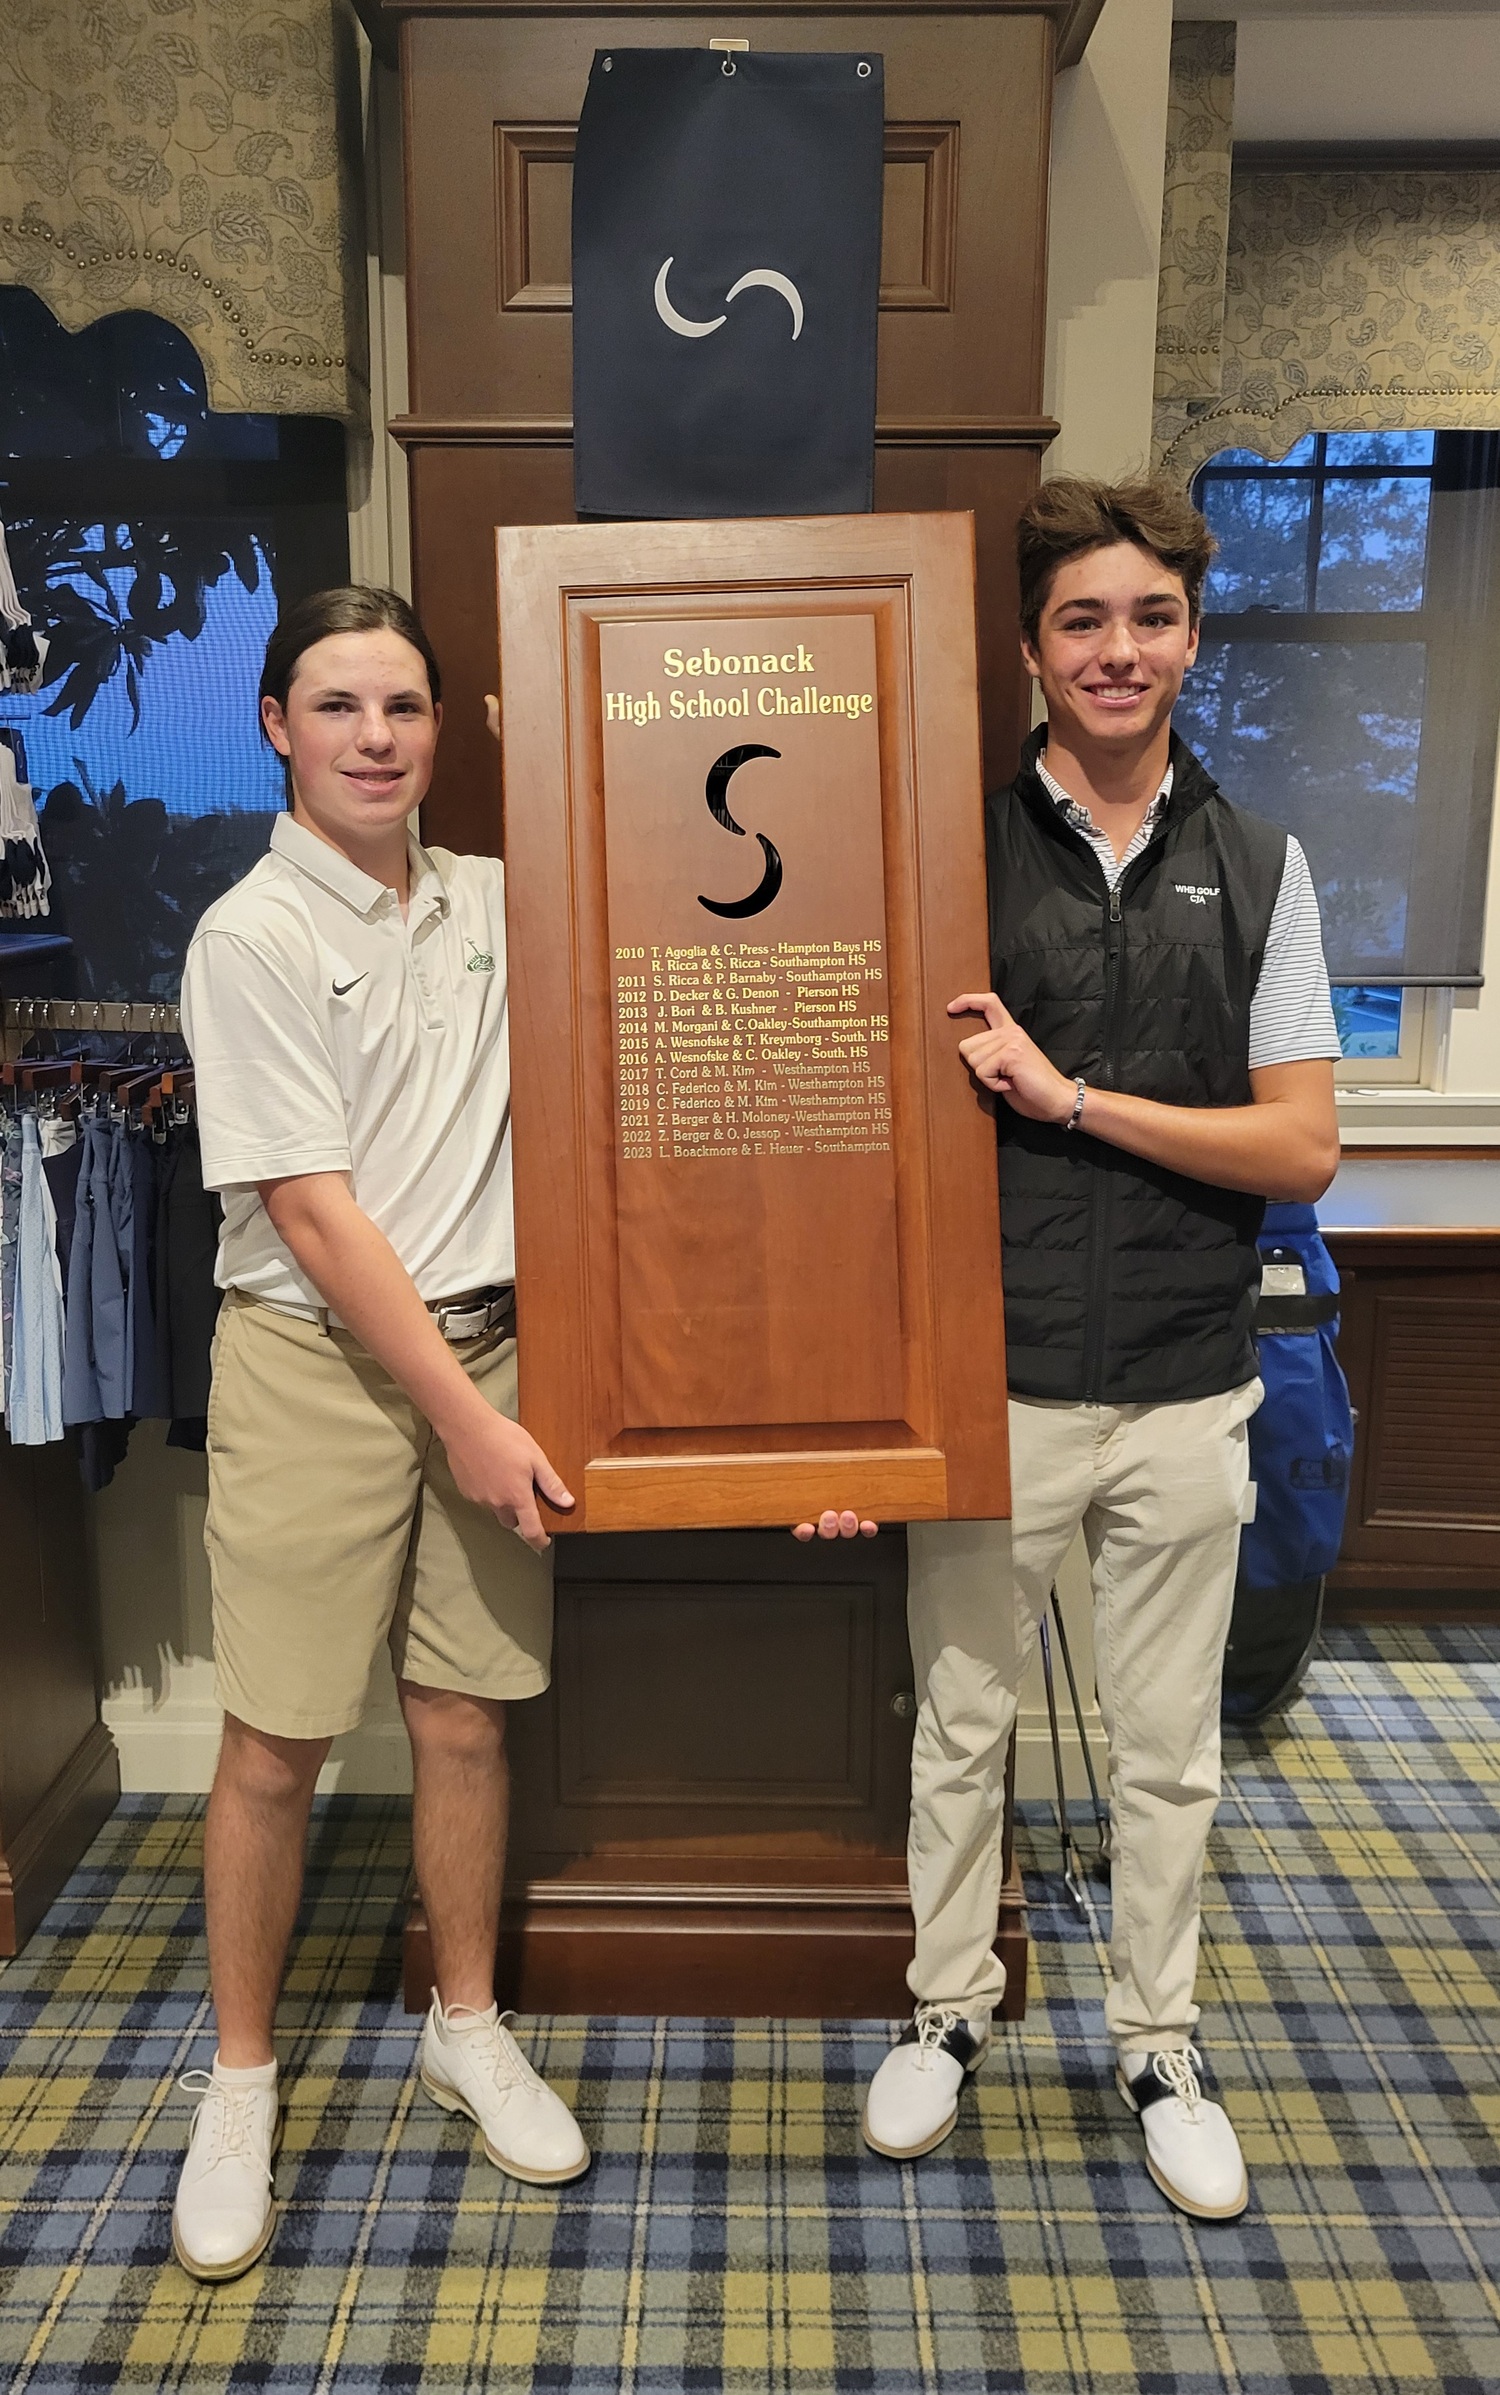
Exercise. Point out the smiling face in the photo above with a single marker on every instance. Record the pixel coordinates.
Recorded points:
(1113, 643)
(358, 731)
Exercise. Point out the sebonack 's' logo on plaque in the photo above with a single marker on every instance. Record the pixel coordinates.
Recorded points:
(714, 789)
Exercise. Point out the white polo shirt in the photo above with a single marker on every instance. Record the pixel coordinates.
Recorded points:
(329, 1035)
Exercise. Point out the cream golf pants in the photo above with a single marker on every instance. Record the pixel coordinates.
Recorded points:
(1159, 1493)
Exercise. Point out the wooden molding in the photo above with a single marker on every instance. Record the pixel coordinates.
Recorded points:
(38, 1859)
(829, 1954)
(1356, 1610)
(1074, 20)
(518, 148)
(930, 146)
(966, 432)
(1076, 23)
(556, 432)
(1365, 157)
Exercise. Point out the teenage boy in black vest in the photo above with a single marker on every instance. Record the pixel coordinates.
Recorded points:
(1161, 1042)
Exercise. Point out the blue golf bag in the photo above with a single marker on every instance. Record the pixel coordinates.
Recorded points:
(1301, 1443)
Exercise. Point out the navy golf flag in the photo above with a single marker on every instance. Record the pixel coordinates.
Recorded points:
(726, 275)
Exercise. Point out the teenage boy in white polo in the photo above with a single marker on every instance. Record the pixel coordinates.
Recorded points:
(1161, 1040)
(345, 1005)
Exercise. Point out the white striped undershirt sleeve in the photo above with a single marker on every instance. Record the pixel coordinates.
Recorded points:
(1291, 1013)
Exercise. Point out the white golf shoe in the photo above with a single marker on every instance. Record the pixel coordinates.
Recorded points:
(224, 2213)
(1191, 2150)
(471, 2063)
(912, 2102)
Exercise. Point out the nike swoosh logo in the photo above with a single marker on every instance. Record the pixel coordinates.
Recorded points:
(341, 989)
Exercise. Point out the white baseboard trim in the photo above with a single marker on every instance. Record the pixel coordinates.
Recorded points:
(173, 1754)
(167, 1752)
(1036, 1779)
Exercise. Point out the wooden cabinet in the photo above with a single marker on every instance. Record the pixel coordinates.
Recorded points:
(711, 1804)
(1417, 1244)
(59, 1773)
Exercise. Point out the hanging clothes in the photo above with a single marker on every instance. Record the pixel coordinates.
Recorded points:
(120, 1182)
(145, 1382)
(60, 1163)
(108, 1243)
(23, 650)
(187, 1297)
(10, 1225)
(94, 1383)
(34, 1409)
(25, 877)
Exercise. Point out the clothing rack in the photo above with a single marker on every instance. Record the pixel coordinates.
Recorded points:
(110, 1235)
(143, 1016)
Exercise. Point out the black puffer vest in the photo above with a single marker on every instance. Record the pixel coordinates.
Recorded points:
(1125, 1283)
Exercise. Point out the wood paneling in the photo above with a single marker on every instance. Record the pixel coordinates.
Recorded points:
(492, 91)
(461, 489)
(1420, 1344)
(709, 1805)
(1434, 1432)
(919, 230)
(765, 1682)
(534, 200)
(487, 105)
(534, 215)
(491, 103)
(59, 1774)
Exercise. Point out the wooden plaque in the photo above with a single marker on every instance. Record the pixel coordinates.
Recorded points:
(758, 1257)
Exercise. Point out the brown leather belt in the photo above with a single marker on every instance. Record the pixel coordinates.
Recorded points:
(476, 1314)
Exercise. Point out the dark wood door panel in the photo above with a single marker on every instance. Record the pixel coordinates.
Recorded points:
(1434, 1460)
(458, 496)
(48, 1690)
(491, 108)
(717, 1694)
(995, 482)
(717, 1723)
(1420, 1345)
(59, 1774)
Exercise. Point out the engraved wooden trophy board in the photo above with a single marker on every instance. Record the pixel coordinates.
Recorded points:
(757, 1231)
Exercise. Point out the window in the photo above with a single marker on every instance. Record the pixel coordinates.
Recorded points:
(153, 542)
(1347, 685)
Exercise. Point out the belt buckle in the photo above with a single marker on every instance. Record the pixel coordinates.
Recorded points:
(480, 1318)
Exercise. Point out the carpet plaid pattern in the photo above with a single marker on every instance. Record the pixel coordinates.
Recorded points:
(734, 2236)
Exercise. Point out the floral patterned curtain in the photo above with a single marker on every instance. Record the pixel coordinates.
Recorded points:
(1355, 301)
(197, 159)
(1195, 211)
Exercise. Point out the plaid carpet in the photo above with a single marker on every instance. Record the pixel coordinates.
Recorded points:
(734, 2235)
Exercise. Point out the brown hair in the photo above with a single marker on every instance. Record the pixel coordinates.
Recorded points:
(1072, 515)
(352, 607)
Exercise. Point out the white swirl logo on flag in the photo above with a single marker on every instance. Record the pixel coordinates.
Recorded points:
(759, 278)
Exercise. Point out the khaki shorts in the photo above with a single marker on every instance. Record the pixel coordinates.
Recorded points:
(334, 1522)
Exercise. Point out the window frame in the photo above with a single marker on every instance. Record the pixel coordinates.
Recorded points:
(1421, 1053)
(1427, 1004)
